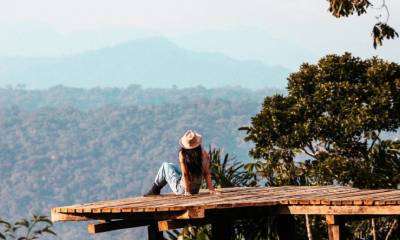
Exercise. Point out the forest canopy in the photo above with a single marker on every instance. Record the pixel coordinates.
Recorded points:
(65, 145)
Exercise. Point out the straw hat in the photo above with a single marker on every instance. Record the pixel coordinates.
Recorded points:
(190, 139)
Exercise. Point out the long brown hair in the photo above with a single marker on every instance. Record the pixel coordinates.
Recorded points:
(194, 160)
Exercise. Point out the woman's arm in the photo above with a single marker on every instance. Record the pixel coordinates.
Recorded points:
(207, 174)
(185, 175)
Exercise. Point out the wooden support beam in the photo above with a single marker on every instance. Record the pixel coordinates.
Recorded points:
(346, 212)
(334, 232)
(331, 219)
(192, 213)
(55, 217)
(105, 225)
(335, 227)
(335, 210)
(115, 225)
(174, 224)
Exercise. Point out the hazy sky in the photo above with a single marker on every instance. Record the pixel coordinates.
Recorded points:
(303, 22)
(176, 16)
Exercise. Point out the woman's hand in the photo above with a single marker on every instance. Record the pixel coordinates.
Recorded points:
(214, 191)
(187, 194)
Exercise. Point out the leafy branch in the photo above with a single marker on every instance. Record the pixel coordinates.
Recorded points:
(25, 229)
(380, 31)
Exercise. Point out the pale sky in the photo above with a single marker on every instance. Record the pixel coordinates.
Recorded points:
(303, 22)
(173, 16)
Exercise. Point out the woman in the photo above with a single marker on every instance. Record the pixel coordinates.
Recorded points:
(194, 165)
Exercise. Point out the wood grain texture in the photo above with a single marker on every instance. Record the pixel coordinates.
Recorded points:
(288, 199)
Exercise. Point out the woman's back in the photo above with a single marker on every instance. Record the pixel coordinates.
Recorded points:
(196, 169)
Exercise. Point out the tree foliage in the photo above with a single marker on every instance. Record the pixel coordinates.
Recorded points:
(380, 31)
(330, 127)
(25, 229)
(227, 171)
(334, 114)
(190, 232)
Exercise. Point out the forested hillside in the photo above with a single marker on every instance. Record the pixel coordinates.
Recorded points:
(61, 146)
(133, 95)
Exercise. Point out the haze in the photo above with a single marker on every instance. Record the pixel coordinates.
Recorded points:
(284, 33)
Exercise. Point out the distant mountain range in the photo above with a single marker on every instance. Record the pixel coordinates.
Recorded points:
(152, 62)
(249, 43)
(243, 43)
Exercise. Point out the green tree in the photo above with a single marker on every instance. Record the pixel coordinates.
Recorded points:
(335, 117)
(227, 171)
(334, 114)
(25, 229)
(381, 29)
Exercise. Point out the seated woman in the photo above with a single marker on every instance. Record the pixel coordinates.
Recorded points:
(194, 165)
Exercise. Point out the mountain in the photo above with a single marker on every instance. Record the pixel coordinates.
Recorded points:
(243, 43)
(249, 43)
(36, 40)
(153, 62)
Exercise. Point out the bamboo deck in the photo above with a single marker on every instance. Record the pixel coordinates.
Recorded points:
(232, 203)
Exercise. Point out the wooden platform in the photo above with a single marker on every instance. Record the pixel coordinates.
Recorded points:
(173, 211)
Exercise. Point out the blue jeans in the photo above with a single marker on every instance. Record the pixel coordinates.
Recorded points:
(171, 174)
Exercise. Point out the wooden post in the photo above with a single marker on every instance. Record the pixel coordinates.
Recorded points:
(286, 227)
(333, 232)
(308, 228)
(153, 232)
(222, 229)
(335, 227)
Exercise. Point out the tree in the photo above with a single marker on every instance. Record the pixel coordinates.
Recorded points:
(228, 171)
(25, 229)
(335, 117)
(380, 31)
(336, 113)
